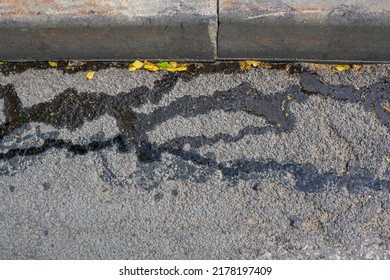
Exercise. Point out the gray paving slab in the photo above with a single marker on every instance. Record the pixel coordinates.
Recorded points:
(258, 164)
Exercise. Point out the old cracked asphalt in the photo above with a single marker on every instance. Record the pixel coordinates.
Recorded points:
(258, 164)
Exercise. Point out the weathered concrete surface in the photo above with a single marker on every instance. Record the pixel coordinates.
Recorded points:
(348, 30)
(236, 165)
(107, 30)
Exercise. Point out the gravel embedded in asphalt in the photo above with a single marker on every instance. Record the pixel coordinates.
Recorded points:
(213, 165)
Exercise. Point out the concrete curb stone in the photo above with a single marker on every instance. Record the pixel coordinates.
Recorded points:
(200, 30)
(306, 30)
(108, 30)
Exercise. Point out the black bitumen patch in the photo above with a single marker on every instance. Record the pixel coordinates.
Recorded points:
(71, 109)
(371, 98)
(308, 179)
(77, 149)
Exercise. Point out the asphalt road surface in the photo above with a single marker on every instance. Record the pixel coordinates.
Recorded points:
(213, 164)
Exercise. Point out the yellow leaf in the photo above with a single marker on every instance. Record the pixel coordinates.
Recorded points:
(173, 64)
(53, 63)
(181, 68)
(177, 69)
(357, 67)
(147, 63)
(137, 64)
(283, 105)
(151, 67)
(89, 75)
(248, 64)
(386, 108)
(243, 65)
(343, 67)
(132, 68)
(254, 63)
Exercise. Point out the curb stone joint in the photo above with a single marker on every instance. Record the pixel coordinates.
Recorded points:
(197, 30)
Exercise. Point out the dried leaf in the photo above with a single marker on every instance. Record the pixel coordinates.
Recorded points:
(137, 64)
(173, 64)
(181, 68)
(343, 67)
(261, 64)
(386, 108)
(357, 67)
(147, 63)
(89, 75)
(70, 65)
(283, 105)
(243, 65)
(177, 69)
(151, 67)
(53, 63)
(248, 64)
